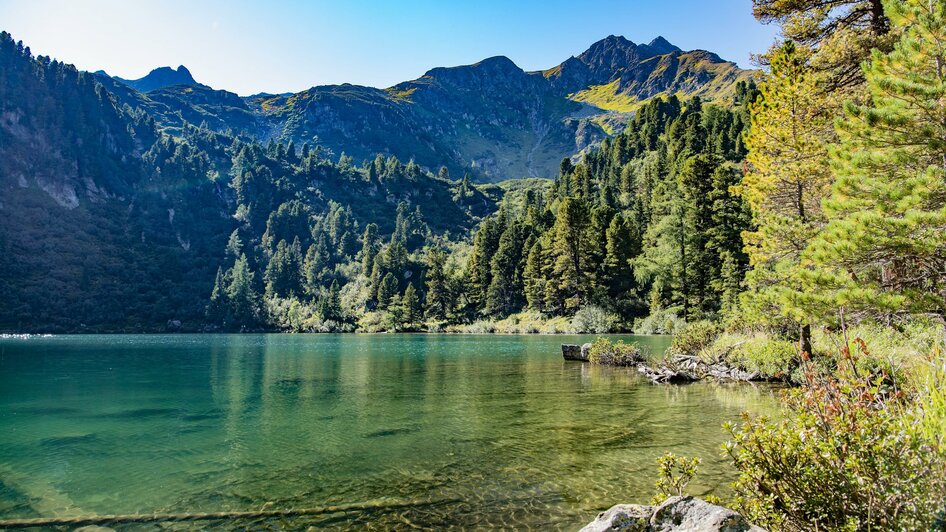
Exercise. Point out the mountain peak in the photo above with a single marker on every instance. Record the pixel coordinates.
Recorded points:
(662, 46)
(160, 78)
(498, 61)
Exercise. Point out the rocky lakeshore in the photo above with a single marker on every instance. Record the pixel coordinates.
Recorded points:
(674, 514)
(675, 369)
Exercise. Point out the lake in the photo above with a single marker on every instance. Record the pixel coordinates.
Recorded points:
(473, 431)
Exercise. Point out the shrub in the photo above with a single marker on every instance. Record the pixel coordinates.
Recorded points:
(694, 338)
(673, 474)
(482, 327)
(660, 322)
(593, 319)
(606, 352)
(763, 354)
(847, 454)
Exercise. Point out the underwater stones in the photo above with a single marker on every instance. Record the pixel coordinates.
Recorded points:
(674, 514)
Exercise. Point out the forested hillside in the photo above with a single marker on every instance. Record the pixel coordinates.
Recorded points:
(110, 224)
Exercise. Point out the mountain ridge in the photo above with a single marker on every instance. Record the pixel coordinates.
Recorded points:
(491, 119)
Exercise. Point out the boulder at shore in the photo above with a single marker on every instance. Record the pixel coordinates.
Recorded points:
(575, 352)
(675, 514)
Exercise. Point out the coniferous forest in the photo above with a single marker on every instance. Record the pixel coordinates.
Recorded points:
(222, 232)
(788, 222)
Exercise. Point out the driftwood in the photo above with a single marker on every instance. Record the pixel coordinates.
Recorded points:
(685, 368)
(677, 369)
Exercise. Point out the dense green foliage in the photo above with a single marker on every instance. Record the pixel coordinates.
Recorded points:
(110, 224)
(214, 230)
(647, 222)
(846, 188)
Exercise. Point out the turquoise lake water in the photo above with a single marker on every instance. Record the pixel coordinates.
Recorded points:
(477, 431)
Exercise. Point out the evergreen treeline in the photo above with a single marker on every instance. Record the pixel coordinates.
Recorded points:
(646, 223)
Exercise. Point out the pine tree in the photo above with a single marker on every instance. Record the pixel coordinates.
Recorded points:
(387, 291)
(504, 295)
(568, 285)
(410, 302)
(332, 305)
(217, 308)
(438, 289)
(281, 276)
(622, 244)
(884, 250)
(787, 179)
(370, 246)
(479, 269)
(315, 266)
(534, 277)
(842, 31)
(244, 301)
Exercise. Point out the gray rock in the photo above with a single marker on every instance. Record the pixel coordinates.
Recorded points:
(627, 517)
(573, 352)
(697, 515)
(585, 351)
(676, 514)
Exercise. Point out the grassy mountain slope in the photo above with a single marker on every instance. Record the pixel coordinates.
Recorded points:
(490, 119)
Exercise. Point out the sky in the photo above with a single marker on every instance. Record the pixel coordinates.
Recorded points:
(291, 45)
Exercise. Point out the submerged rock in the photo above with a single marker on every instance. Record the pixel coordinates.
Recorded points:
(675, 514)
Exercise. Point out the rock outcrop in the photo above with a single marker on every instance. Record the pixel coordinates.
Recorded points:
(674, 514)
(576, 352)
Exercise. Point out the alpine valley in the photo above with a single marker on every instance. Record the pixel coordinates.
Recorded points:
(133, 205)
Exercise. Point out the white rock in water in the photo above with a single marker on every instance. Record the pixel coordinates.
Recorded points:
(676, 514)
(627, 517)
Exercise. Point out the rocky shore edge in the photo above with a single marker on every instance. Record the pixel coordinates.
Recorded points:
(674, 514)
(675, 369)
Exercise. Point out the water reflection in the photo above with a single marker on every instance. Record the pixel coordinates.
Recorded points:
(501, 427)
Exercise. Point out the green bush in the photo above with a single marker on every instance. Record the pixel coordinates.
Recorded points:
(674, 473)
(593, 319)
(848, 454)
(660, 322)
(760, 353)
(606, 352)
(694, 338)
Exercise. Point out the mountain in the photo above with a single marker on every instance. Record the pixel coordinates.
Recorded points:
(490, 119)
(108, 222)
(615, 74)
(159, 78)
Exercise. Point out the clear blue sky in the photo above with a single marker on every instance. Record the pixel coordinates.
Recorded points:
(281, 46)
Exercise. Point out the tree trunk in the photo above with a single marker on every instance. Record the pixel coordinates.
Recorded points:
(804, 339)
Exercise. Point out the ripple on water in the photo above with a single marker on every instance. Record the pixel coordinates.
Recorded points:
(479, 432)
